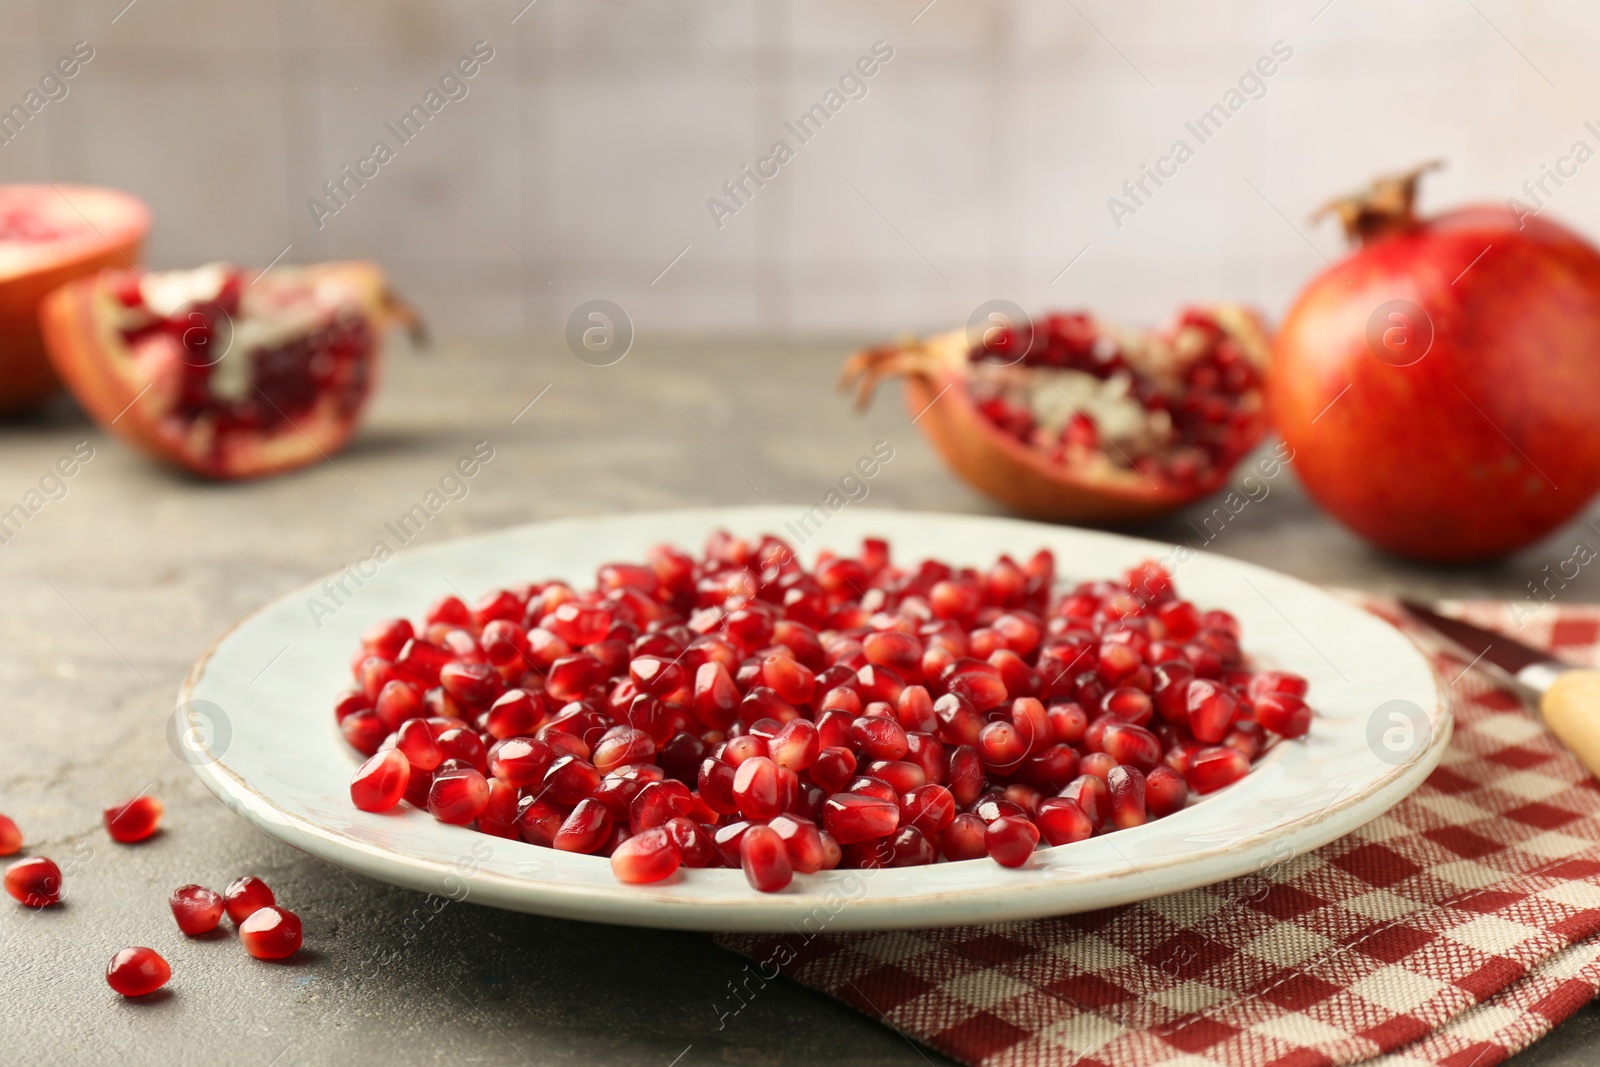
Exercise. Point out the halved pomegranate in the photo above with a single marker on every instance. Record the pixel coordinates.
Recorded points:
(1073, 419)
(50, 235)
(227, 373)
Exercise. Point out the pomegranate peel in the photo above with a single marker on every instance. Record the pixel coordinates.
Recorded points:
(1024, 429)
(227, 375)
(1438, 386)
(49, 236)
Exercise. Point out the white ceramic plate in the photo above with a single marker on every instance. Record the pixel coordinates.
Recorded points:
(256, 719)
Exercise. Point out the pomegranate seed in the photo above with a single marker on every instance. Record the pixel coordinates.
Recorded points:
(458, 797)
(1001, 746)
(1098, 764)
(621, 746)
(520, 761)
(796, 746)
(1266, 682)
(765, 859)
(514, 713)
(133, 820)
(1092, 797)
(755, 788)
(244, 896)
(570, 780)
(930, 808)
(1010, 840)
(1211, 769)
(963, 839)
(852, 817)
(271, 933)
(1283, 713)
(874, 787)
(802, 841)
(910, 847)
(1062, 822)
(135, 972)
(476, 685)
(834, 768)
(364, 731)
(380, 783)
(648, 856)
(387, 638)
(1165, 792)
(1131, 745)
(1126, 786)
(1211, 709)
(1052, 768)
(965, 777)
(10, 837)
(35, 882)
(694, 843)
(585, 829)
(537, 821)
(977, 682)
(657, 803)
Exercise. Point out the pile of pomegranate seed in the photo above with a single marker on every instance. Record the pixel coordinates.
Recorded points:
(738, 710)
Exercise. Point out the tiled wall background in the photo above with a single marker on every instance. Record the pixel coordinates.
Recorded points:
(977, 166)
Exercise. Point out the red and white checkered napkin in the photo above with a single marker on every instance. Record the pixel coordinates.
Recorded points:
(1454, 930)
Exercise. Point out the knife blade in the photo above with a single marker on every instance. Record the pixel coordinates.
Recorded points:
(1569, 696)
(1532, 667)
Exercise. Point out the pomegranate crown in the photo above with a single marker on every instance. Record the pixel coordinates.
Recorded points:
(1386, 206)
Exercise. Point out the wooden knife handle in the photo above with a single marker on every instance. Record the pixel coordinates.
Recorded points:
(1571, 708)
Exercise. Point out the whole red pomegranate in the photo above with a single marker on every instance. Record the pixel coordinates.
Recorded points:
(1440, 386)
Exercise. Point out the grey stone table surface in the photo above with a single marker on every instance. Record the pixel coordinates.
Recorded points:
(112, 589)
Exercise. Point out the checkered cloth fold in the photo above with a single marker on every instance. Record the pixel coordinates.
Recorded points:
(1452, 931)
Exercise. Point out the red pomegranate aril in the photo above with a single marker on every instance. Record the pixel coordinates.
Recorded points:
(1211, 709)
(380, 783)
(963, 839)
(34, 882)
(421, 661)
(465, 745)
(656, 675)
(901, 775)
(621, 746)
(374, 673)
(133, 820)
(196, 909)
(796, 746)
(1062, 822)
(570, 780)
(458, 798)
(647, 856)
(244, 896)
(271, 933)
(1246, 737)
(514, 713)
(1052, 768)
(965, 775)
(1165, 792)
(867, 785)
(349, 703)
(1010, 840)
(476, 685)
(765, 859)
(1001, 746)
(790, 680)
(397, 702)
(657, 803)
(419, 745)
(1170, 690)
(521, 761)
(833, 769)
(10, 837)
(387, 638)
(585, 829)
(715, 784)
(137, 972)
(741, 748)
(1283, 713)
(910, 847)
(1263, 682)
(577, 624)
(1131, 745)
(1129, 705)
(1092, 797)
(977, 682)
(1032, 721)
(802, 841)
(930, 808)
(1126, 786)
(449, 609)
(1213, 768)
(852, 817)
(1097, 764)
(694, 843)
(755, 788)
(537, 821)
